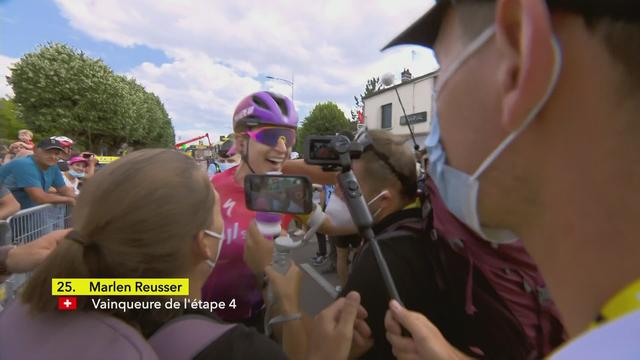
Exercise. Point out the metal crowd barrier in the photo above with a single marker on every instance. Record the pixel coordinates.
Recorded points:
(25, 226)
(30, 224)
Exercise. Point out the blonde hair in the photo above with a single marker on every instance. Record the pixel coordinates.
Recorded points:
(134, 218)
(25, 131)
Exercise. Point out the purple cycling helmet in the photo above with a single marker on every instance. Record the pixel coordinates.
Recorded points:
(264, 108)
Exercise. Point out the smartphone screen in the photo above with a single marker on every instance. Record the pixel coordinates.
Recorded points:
(278, 194)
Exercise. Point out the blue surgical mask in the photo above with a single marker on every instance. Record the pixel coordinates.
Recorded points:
(227, 166)
(435, 152)
(458, 189)
(76, 174)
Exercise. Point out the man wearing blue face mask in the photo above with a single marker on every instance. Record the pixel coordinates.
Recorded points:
(543, 152)
(488, 302)
(227, 156)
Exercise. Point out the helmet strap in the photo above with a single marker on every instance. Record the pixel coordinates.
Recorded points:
(245, 157)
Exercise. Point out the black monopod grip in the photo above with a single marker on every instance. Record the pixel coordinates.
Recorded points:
(363, 220)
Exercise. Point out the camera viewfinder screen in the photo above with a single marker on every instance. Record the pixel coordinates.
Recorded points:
(320, 150)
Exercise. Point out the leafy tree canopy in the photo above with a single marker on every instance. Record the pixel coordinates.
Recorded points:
(324, 119)
(62, 91)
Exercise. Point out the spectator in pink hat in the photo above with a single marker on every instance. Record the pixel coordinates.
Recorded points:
(77, 171)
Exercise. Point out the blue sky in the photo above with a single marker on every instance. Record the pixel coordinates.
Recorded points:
(202, 56)
(25, 24)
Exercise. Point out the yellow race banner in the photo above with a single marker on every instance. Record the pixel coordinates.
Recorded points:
(107, 159)
(115, 287)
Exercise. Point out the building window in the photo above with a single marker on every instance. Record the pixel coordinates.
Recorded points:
(386, 116)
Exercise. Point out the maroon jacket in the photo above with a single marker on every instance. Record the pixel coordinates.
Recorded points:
(510, 271)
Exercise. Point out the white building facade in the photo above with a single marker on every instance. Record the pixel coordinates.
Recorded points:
(382, 109)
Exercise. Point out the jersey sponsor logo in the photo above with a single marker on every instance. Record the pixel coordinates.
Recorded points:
(231, 233)
(228, 206)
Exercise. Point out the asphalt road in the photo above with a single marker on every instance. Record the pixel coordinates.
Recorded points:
(318, 287)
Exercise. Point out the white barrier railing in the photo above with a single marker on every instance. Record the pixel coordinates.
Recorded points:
(30, 224)
(25, 226)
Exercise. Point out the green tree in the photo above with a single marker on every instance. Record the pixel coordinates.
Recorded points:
(158, 129)
(324, 119)
(10, 123)
(60, 90)
(372, 86)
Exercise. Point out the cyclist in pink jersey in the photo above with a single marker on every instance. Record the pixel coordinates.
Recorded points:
(265, 126)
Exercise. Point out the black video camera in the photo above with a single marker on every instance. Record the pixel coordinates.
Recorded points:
(335, 153)
(331, 151)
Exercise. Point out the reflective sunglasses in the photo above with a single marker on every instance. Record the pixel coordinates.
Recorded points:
(271, 135)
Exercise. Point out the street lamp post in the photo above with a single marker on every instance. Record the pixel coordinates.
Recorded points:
(290, 82)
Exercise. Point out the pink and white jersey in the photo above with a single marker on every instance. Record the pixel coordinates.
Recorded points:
(231, 279)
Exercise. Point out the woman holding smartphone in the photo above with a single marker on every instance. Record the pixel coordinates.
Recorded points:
(265, 125)
(131, 221)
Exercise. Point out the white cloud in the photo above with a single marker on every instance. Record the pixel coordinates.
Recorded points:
(197, 90)
(222, 50)
(346, 109)
(5, 63)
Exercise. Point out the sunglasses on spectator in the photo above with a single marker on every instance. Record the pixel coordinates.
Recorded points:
(271, 135)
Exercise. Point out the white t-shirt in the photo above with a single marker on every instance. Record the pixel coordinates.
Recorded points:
(73, 183)
(316, 196)
(618, 339)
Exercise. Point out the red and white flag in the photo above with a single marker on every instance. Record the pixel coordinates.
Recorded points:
(67, 303)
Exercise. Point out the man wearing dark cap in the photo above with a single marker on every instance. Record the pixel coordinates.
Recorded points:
(30, 178)
(538, 106)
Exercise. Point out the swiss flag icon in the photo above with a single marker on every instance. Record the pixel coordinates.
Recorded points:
(67, 303)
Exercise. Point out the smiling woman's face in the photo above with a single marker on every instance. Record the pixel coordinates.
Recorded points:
(263, 158)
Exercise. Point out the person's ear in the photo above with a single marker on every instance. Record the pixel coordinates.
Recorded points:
(524, 39)
(387, 199)
(386, 195)
(384, 198)
(202, 247)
